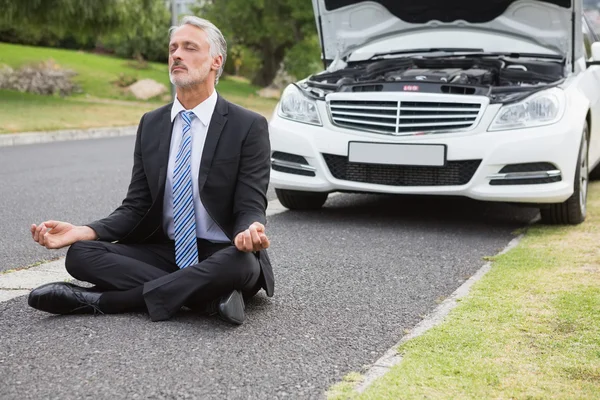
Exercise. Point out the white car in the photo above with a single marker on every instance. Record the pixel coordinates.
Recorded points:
(440, 97)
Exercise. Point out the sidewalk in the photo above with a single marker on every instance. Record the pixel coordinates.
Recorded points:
(12, 139)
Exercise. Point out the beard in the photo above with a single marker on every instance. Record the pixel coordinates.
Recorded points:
(190, 78)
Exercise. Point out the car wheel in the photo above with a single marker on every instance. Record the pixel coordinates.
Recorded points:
(574, 209)
(295, 200)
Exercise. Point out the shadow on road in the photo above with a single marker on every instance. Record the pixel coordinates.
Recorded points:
(439, 211)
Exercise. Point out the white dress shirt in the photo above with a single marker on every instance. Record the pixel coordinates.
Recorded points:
(206, 228)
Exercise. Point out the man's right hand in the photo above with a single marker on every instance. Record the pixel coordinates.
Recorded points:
(57, 234)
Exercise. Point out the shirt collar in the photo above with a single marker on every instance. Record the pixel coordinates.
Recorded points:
(203, 111)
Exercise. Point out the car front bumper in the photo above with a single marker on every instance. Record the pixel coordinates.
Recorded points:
(325, 148)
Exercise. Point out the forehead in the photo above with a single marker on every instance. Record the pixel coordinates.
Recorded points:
(189, 33)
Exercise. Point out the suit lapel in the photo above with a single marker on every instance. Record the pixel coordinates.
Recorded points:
(217, 123)
(165, 131)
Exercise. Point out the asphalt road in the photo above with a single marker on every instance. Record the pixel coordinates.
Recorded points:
(76, 181)
(350, 279)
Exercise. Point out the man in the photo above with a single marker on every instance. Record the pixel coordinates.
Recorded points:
(190, 231)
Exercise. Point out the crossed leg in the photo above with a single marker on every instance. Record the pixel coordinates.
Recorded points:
(146, 274)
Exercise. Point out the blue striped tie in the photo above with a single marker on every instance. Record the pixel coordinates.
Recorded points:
(184, 218)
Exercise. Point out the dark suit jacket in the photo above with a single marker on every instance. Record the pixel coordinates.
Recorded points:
(233, 178)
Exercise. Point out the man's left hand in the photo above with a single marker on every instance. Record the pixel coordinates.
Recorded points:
(252, 239)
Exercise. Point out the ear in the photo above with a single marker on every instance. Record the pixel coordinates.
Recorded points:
(217, 62)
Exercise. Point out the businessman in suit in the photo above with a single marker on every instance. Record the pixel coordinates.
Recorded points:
(191, 229)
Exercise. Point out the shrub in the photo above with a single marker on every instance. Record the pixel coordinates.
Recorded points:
(45, 78)
(125, 80)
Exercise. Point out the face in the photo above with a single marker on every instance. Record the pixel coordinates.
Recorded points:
(190, 62)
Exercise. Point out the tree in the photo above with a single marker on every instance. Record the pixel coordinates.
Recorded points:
(131, 28)
(268, 27)
(145, 33)
(80, 16)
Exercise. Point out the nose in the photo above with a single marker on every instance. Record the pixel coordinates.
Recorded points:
(176, 55)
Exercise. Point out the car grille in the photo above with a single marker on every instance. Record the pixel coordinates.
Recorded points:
(403, 117)
(453, 174)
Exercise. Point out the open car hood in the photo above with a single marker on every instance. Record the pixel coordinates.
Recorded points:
(347, 25)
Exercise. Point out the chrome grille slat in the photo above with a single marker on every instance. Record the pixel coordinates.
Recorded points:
(354, 114)
(435, 124)
(360, 121)
(437, 109)
(403, 117)
(439, 116)
(364, 107)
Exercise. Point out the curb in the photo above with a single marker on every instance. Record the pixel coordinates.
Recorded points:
(14, 139)
(392, 357)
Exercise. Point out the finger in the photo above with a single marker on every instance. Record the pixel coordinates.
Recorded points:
(47, 242)
(42, 236)
(239, 241)
(247, 240)
(51, 224)
(36, 236)
(264, 241)
(258, 226)
(32, 229)
(255, 237)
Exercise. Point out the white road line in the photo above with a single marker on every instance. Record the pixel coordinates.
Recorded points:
(20, 282)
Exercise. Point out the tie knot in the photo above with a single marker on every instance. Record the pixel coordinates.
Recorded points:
(187, 116)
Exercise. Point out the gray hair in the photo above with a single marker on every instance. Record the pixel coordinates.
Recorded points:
(218, 45)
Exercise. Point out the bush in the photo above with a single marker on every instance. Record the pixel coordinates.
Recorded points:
(125, 80)
(242, 61)
(303, 59)
(46, 78)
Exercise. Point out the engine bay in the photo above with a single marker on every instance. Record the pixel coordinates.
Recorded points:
(473, 75)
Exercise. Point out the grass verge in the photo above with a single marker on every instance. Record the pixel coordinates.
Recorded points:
(103, 103)
(530, 329)
(24, 112)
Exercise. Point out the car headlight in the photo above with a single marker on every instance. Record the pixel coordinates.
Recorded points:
(296, 106)
(543, 108)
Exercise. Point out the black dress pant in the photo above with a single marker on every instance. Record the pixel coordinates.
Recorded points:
(113, 266)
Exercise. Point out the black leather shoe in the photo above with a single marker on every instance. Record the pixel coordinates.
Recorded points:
(64, 298)
(230, 308)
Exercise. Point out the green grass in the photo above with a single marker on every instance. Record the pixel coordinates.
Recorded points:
(530, 329)
(100, 104)
(25, 112)
(95, 72)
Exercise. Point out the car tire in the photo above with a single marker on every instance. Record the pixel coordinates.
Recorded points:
(573, 211)
(296, 200)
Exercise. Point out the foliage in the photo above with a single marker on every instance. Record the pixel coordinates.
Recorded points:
(129, 28)
(145, 33)
(83, 17)
(269, 28)
(302, 59)
(125, 80)
(242, 61)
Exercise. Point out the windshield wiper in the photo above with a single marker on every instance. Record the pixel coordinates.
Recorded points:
(427, 50)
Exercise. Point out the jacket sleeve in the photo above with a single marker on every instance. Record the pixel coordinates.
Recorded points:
(250, 198)
(135, 205)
